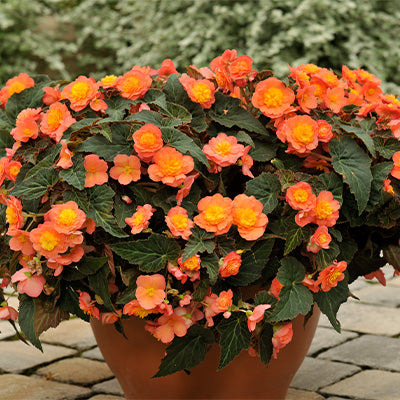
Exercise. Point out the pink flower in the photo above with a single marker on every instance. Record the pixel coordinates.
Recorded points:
(150, 290)
(230, 264)
(283, 334)
(169, 326)
(257, 316)
(87, 305)
(28, 282)
(96, 170)
(7, 313)
(140, 219)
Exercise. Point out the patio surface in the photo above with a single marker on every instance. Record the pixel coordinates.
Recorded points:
(361, 363)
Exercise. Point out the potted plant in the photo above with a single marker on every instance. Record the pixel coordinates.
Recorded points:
(221, 206)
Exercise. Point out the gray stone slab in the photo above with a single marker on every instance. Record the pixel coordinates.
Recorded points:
(6, 330)
(80, 371)
(369, 384)
(377, 294)
(110, 387)
(358, 284)
(315, 373)
(294, 394)
(377, 352)
(364, 318)
(325, 338)
(74, 333)
(94, 354)
(16, 356)
(106, 397)
(395, 282)
(19, 387)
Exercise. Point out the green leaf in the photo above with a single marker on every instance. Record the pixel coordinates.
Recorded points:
(36, 186)
(100, 204)
(228, 112)
(186, 352)
(123, 210)
(210, 261)
(47, 161)
(84, 123)
(147, 116)
(249, 271)
(380, 172)
(235, 337)
(325, 257)
(179, 112)
(266, 188)
(329, 302)
(332, 182)
(264, 297)
(6, 141)
(295, 235)
(69, 301)
(245, 138)
(103, 129)
(263, 151)
(202, 288)
(198, 242)
(46, 317)
(266, 346)
(79, 198)
(117, 107)
(150, 254)
(363, 134)
(26, 317)
(99, 283)
(183, 143)
(75, 175)
(287, 178)
(295, 298)
(386, 147)
(354, 165)
(90, 265)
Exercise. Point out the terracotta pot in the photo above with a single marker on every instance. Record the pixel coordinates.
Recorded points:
(136, 360)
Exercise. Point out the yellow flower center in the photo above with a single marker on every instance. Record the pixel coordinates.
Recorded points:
(223, 148)
(323, 210)
(191, 264)
(150, 291)
(11, 216)
(16, 87)
(371, 91)
(201, 92)
(214, 214)
(322, 238)
(22, 238)
(141, 312)
(79, 91)
(333, 98)
(303, 133)
(67, 217)
(180, 221)
(300, 195)
(139, 218)
(27, 132)
(127, 170)
(131, 84)
(318, 90)
(54, 119)
(334, 276)
(171, 166)
(48, 241)
(109, 79)
(273, 97)
(147, 139)
(233, 266)
(14, 170)
(245, 217)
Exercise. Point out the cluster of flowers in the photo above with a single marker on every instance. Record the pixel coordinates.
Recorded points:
(60, 239)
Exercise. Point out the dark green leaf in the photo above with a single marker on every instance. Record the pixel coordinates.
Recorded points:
(362, 134)
(263, 151)
(266, 188)
(147, 116)
(295, 235)
(90, 265)
(235, 337)
(79, 198)
(25, 319)
(202, 288)
(186, 352)
(142, 195)
(354, 165)
(245, 138)
(199, 241)
(6, 141)
(69, 301)
(46, 318)
(210, 261)
(380, 172)
(228, 112)
(332, 182)
(84, 123)
(75, 175)
(179, 112)
(266, 347)
(99, 283)
(386, 147)
(117, 107)
(391, 253)
(264, 297)
(123, 210)
(326, 257)
(295, 298)
(151, 254)
(249, 271)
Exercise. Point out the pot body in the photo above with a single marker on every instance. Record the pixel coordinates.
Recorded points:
(136, 360)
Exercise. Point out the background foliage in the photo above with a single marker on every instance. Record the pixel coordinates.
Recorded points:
(65, 38)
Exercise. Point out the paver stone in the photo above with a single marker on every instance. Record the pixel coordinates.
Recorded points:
(112, 387)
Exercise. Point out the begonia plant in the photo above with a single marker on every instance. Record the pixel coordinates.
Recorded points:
(161, 196)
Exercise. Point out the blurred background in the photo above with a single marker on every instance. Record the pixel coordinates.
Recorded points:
(67, 38)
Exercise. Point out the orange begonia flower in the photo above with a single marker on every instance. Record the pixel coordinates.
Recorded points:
(179, 223)
(170, 326)
(328, 77)
(140, 219)
(126, 169)
(28, 282)
(283, 334)
(80, 92)
(223, 150)
(96, 170)
(65, 160)
(220, 66)
(56, 121)
(364, 76)
(301, 197)
(14, 213)
(134, 84)
(51, 95)
(150, 291)
(25, 130)
(199, 90)
(20, 242)
(372, 92)
(241, 70)
(215, 214)
(387, 187)
(134, 308)
(12, 170)
(349, 75)
(307, 100)
(47, 241)
(190, 268)
(272, 97)
(326, 209)
(87, 305)
(230, 264)
(223, 302)
(147, 141)
(248, 216)
(186, 186)
(167, 68)
(300, 131)
(15, 85)
(395, 172)
(66, 218)
(256, 316)
(319, 240)
(330, 276)
(335, 99)
(109, 81)
(34, 113)
(247, 162)
(325, 133)
(170, 166)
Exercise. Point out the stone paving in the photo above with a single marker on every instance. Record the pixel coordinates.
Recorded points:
(361, 363)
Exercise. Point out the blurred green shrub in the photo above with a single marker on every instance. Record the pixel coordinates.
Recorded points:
(110, 36)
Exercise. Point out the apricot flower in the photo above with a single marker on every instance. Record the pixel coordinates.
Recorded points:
(301, 197)
(56, 121)
(230, 264)
(325, 133)
(25, 130)
(223, 150)
(20, 242)
(28, 282)
(395, 172)
(65, 160)
(126, 169)
(179, 223)
(170, 326)
(14, 213)
(200, 91)
(66, 218)
(283, 334)
(147, 141)
(257, 316)
(7, 313)
(170, 166)
(215, 214)
(326, 209)
(134, 84)
(15, 85)
(87, 305)
(96, 170)
(134, 308)
(331, 275)
(319, 240)
(140, 219)
(51, 95)
(12, 170)
(150, 291)
(80, 92)
(248, 216)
